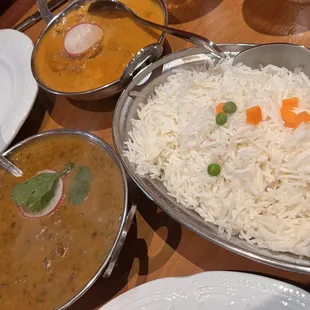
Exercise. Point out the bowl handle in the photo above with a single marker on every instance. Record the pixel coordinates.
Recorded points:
(120, 243)
(143, 58)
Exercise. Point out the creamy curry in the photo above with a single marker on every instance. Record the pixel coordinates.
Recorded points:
(106, 60)
(46, 261)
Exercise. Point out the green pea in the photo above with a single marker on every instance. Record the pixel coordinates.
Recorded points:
(230, 107)
(214, 170)
(221, 118)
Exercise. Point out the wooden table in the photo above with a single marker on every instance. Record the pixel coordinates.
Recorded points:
(157, 246)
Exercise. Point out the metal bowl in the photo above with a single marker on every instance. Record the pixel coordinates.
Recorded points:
(125, 219)
(104, 91)
(126, 110)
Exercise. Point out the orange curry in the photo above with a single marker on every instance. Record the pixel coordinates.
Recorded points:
(106, 60)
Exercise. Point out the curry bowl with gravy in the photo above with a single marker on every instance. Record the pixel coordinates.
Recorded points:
(82, 55)
(61, 221)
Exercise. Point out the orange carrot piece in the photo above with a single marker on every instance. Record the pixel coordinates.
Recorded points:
(291, 103)
(291, 125)
(293, 120)
(303, 117)
(254, 115)
(288, 115)
(219, 107)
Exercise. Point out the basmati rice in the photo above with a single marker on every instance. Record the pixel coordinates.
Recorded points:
(262, 194)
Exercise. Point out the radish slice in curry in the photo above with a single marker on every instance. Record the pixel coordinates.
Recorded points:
(81, 38)
(52, 205)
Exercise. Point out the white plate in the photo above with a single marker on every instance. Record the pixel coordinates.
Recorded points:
(18, 88)
(217, 290)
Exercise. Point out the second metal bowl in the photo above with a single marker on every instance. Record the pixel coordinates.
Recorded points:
(126, 217)
(104, 91)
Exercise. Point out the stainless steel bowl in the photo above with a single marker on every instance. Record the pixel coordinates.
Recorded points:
(126, 110)
(126, 217)
(104, 91)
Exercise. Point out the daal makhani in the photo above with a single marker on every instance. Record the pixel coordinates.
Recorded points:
(58, 222)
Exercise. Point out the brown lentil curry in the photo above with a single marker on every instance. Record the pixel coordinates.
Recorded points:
(46, 261)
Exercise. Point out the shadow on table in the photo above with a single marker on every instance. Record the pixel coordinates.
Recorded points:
(277, 17)
(182, 11)
(100, 105)
(81, 115)
(164, 226)
(167, 48)
(211, 257)
(134, 259)
(35, 119)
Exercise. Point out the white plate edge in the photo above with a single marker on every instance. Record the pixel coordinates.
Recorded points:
(183, 280)
(30, 97)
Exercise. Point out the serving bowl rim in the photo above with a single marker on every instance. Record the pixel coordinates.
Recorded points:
(161, 199)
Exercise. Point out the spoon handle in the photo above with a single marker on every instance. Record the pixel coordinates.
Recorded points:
(188, 36)
(9, 167)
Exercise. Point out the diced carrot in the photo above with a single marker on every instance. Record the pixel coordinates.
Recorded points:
(291, 125)
(303, 117)
(288, 115)
(219, 107)
(254, 115)
(291, 103)
(293, 120)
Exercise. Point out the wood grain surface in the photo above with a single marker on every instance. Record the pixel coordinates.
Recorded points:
(157, 246)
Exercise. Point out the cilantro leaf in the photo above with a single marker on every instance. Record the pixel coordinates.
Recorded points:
(80, 187)
(38, 191)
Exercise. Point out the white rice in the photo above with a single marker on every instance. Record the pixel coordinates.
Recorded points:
(262, 194)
